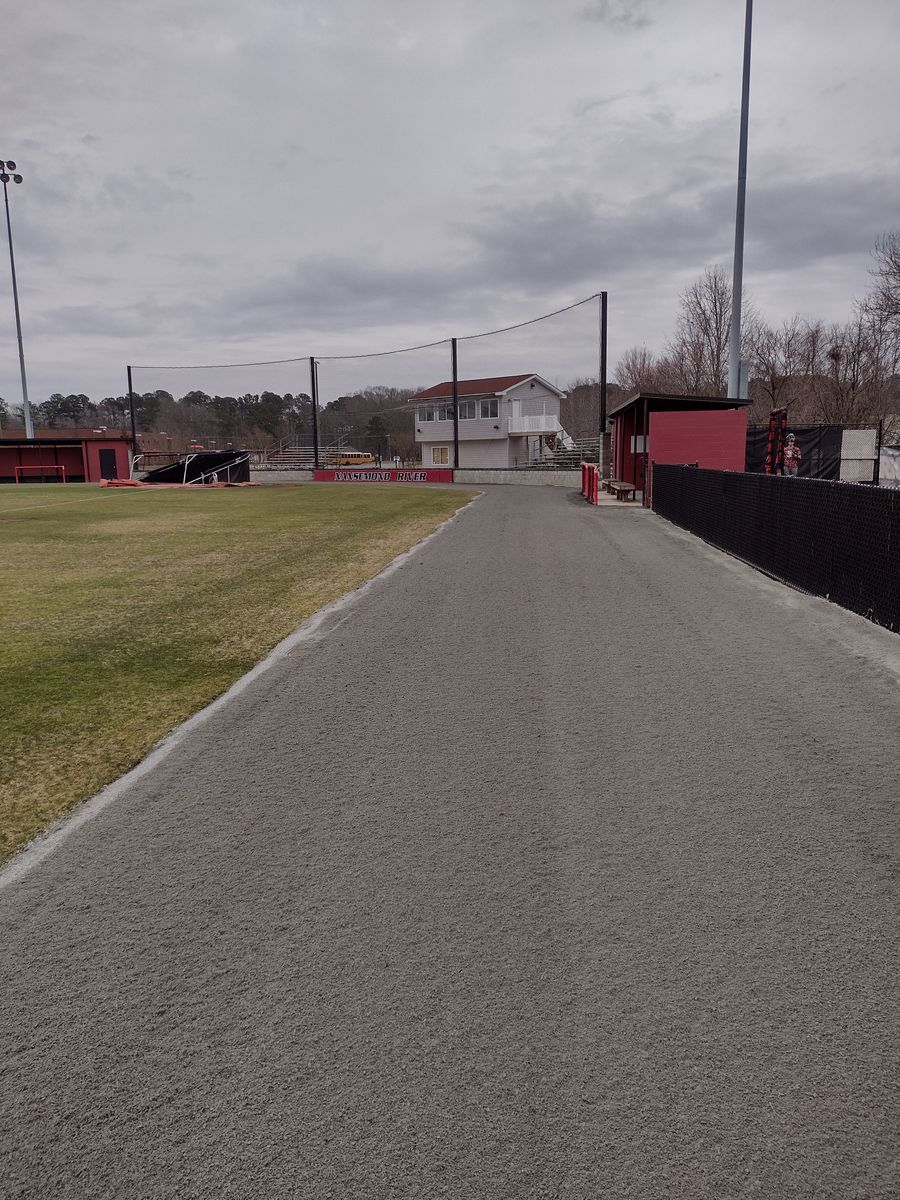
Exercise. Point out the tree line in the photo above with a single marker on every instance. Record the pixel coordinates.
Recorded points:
(196, 416)
(841, 373)
(830, 372)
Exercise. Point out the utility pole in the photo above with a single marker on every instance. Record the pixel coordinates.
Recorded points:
(5, 178)
(737, 279)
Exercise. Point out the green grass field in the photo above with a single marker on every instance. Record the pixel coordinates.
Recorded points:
(123, 612)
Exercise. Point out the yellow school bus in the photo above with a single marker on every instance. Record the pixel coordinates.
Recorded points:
(350, 458)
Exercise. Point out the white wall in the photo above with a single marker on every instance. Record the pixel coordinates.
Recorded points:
(486, 454)
(493, 453)
(568, 479)
(534, 400)
(426, 453)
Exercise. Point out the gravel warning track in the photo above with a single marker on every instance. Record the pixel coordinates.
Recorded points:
(565, 865)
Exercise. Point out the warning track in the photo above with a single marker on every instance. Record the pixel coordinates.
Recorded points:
(565, 865)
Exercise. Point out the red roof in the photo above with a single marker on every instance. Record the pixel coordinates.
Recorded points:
(473, 387)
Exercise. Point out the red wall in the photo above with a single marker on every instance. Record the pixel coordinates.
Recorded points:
(72, 457)
(93, 456)
(716, 439)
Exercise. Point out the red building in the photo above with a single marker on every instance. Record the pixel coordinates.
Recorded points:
(651, 428)
(66, 455)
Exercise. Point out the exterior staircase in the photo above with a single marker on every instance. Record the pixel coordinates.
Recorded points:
(568, 456)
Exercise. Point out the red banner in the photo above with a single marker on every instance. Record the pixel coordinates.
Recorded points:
(384, 475)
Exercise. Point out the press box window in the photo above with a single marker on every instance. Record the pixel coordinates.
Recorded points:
(490, 408)
(426, 414)
(440, 456)
(467, 410)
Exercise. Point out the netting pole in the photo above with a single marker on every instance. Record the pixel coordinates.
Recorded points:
(131, 407)
(314, 396)
(603, 390)
(454, 376)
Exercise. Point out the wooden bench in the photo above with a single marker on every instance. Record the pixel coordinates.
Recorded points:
(621, 490)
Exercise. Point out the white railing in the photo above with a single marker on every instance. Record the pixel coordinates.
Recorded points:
(541, 424)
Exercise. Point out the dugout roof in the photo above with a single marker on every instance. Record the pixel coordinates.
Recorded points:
(664, 402)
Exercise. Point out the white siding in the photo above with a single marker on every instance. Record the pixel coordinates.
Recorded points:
(426, 454)
(535, 400)
(493, 453)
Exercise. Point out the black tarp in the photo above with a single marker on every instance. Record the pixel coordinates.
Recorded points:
(231, 466)
(820, 449)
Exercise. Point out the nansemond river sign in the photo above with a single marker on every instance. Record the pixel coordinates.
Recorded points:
(423, 475)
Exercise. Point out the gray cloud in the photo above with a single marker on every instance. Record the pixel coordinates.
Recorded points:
(798, 223)
(206, 177)
(621, 14)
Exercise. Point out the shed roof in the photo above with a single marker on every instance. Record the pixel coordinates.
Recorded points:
(66, 435)
(665, 402)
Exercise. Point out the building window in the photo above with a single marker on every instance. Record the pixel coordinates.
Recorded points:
(467, 410)
(490, 409)
(440, 456)
(445, 413)
(426, 414)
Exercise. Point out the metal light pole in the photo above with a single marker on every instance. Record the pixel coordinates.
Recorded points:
(601, 444)
(737, 280)
(5, 178)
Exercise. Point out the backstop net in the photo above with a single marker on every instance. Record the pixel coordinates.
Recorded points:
(391, 406)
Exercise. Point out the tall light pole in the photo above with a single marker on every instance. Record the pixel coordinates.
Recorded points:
(5, 178)
(737, 279)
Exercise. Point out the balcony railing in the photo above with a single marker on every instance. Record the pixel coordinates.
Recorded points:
(540, 424)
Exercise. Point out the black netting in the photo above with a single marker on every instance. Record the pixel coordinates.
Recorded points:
(838, 540)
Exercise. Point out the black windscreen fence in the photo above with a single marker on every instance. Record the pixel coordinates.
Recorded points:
(838, 540)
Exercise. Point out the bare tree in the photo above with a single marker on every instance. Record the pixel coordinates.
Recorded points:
(699, 350)
(886, 296)
(777, 358)
(850, 369)
(639, 370)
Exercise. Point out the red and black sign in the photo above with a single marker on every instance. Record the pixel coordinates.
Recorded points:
(387, 475)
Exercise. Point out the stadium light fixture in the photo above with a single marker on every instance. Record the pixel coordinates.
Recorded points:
(5, 178)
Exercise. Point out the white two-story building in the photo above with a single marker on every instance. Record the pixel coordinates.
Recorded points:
(503, 422)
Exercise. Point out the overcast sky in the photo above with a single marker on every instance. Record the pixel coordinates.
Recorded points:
(221, 180)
